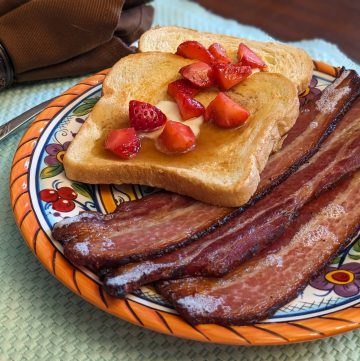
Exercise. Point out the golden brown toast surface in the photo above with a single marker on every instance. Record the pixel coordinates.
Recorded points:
(223, 168)
(292, 62)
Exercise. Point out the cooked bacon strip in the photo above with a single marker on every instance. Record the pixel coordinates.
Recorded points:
(99, 241)
(317, 120)
(249, 232)
(256, 289)
(96, 240)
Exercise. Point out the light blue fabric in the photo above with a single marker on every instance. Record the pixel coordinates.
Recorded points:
(40, 319)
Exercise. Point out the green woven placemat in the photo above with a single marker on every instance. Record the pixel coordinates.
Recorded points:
(40, 319)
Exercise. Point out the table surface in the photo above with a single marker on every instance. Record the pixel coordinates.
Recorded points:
(291, 20)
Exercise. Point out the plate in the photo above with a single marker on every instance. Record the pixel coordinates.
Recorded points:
(37, 166)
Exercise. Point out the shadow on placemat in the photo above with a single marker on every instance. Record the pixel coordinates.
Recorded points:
(41, 319)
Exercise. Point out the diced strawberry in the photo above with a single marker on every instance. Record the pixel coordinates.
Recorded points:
(247, 57)
(199, 74)
(145, 117)
(183, 86)
(225, 113)
(194, 50)
(189, 107)
(123, 142)
(219, 53)
(228, 75)
(176, 138)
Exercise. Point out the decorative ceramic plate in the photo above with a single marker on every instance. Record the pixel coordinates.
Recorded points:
(328, 306)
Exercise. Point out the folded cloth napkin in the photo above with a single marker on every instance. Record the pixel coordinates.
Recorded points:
(43, 39)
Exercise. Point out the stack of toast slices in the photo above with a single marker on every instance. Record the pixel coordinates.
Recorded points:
(224, 168)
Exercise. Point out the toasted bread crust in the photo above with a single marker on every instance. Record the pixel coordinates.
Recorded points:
(292, 62)
(231, 173)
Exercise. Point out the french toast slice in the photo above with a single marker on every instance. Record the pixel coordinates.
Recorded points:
(292, 62)
(224, 167)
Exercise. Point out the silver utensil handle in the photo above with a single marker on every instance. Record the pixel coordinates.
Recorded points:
(18, 121)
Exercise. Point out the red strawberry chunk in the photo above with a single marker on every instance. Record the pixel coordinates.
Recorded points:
(189, 107)
(228, 75)
(225, 113)
(182, 86)
(219, 53)
(176, 138)
(199, 74)
(247, 57)
(145, 117)
(194, 50)
(123, 142)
